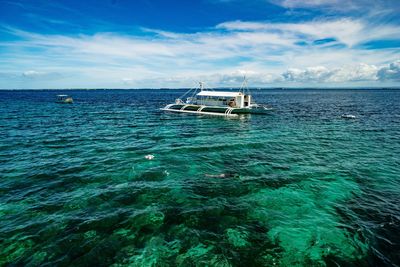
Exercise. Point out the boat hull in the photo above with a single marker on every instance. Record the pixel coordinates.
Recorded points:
(214, 110)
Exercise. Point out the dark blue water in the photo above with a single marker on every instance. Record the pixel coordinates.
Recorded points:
(301, 186)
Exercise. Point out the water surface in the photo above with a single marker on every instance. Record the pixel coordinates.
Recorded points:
(299, 187)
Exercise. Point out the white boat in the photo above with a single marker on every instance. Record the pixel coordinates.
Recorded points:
(64, 99)
(222, 103)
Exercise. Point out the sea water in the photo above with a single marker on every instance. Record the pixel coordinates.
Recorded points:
(112, 180)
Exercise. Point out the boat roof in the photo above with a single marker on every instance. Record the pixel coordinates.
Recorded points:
(62, 95)
(219, 93)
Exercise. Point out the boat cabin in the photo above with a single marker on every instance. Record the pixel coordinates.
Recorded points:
(221, 99)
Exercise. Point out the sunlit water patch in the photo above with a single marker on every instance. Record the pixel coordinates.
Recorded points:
(112, 180)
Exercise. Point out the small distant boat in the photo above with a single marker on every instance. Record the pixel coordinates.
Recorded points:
(64, 99)
(348, 116)
(221, 103)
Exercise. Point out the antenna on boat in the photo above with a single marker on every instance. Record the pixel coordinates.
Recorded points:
(244, 87)
(201, 86)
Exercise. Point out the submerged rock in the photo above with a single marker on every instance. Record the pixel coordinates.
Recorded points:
(237, 238)
(149, 218)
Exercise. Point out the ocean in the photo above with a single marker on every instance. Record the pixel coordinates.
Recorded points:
(300, 186)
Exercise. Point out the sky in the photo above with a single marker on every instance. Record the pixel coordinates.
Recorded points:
(61, 44)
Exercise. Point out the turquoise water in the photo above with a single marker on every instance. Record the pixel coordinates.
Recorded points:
(299, 187)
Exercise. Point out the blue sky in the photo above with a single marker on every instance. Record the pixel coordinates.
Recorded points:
(152, 44)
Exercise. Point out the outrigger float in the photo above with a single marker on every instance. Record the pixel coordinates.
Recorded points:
(209, 102)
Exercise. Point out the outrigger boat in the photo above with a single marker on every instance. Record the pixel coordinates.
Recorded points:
(221, 103)
(64, 99)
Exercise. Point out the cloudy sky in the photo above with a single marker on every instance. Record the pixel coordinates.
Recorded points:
(160, 43)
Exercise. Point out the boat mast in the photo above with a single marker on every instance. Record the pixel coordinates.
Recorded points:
(244, 89)
(201, 90)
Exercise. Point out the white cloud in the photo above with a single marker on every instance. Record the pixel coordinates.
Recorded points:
(269, 53)
(127, 81)
(391, 72)
(360, 72)
(32, 74)
(311, 74)
(345, 30)
(372, 8)
(320, 74)
(350, 4)
(235, 78)
(315, 76)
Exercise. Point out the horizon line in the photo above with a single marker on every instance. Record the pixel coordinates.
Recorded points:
(186, 88)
